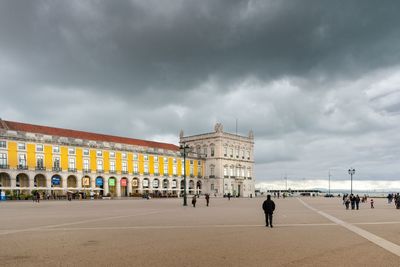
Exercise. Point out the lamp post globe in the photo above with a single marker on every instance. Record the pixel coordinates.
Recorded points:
(352, 171)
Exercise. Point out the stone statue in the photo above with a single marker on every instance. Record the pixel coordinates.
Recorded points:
(181, 134)
(218, 127)
(251, 134)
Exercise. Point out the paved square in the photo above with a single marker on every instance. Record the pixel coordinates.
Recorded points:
(161, 232)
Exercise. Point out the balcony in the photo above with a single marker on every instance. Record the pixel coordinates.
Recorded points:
(192, 176)
(100, 171)
(233, 177)
(4, 166)
(199, 176)
(165, 175)
(212, 176)
(156, 174)
(175, 175)
(40, 168)
(71, 169)
(124, 172)
(112, 171)
(135, 173)
(226, 176)
(22, 167)
(57, 169)
(87, 170)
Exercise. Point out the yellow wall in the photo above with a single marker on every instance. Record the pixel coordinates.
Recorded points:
(118, 163)
(31, 155)
(179, 166)
(141, 165)
(79, 160)
(12, 154)
(48, 157)
(130, 162)
(151, 164)
(106, 161)
(64, 157)
(195, 162)
(161, 165)
(170, 163)
(93, 161)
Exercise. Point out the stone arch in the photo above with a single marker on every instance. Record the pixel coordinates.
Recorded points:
(165, 184)
(72, 181)
(40, 180)
(22, 180)
(5, 179)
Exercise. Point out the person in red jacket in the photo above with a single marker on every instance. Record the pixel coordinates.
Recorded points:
(268, 207)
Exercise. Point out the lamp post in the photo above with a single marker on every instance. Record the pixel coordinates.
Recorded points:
(351, 172)
(183, 149)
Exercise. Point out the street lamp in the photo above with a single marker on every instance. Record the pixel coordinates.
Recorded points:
(184, 149)
(351, 172)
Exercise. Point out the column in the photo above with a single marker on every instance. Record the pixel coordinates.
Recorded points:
(105, 187)
(118, 186)
(31, 184)
(129, 185)
(79, 182)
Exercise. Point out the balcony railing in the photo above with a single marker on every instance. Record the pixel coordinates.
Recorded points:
(192, 176)
(100, 171)
(87, 170)
(22, 167)
(135, 173)
(112, 171)
(57, 169)
(165, 174)
(156, 174)
(233, 177)
(4, 166)
(199, 176)
(40, 168)
(71, 169)
(212, 176)
(124, 172)
(145, 173)
(226, 176)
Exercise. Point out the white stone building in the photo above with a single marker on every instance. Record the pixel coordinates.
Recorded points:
(229, 161)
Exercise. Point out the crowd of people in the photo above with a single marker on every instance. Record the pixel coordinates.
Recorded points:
(394, 197)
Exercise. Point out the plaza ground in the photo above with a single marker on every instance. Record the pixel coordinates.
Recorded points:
(161, 232)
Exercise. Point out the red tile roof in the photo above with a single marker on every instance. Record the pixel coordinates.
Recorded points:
(24, 127)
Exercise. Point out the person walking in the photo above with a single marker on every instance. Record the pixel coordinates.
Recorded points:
(229, 196)
(268, 207)
(357, 201)
(194, 201)
(207, 199)
(37, 196)
(372, 204)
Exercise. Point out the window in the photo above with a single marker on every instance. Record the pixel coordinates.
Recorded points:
(231, 152)
(191, 162)
(174, 160)
(112, 154)
(237, 153)
(248, 154)
(22, 160)
(231, 171)
(212, 170)
(145, 157)
(212, 187)
(205, 151)
(155, 158)
(123, 155)
(21, 146)
(146, 168)
(135, 156)
(39, 161)
(237, 172)
(225, 171)
(135, 168)
(86, 152)
(212, 151)
(99, 165)
(225, 151)
(165, 168)
(99, 153)
(112, 166)
(3, 159)
(56, 162)
(156, 168)
(56, 149)
(198, 171)
(242, 154)
(39, 148)
(242, 172)
(71, 163)
(3, 144)
(198, 163)
(71, 151)
(124, 166)
(86, 164)
(191, 170)
(174, 169)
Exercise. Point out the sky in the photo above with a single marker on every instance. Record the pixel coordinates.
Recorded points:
(317, 81)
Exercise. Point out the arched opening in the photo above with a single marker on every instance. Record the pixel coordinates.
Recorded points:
(198, 187)
(124, 187)
(112, 186)
(174, 186)
(5, 180)
(86, 186)
(40, 181)
(191, 187)
(146, 185)
(100, 185)
(156, 186)
(135, 187)
(56, 185)
(22, 181)
(165, 185)
(72, 182)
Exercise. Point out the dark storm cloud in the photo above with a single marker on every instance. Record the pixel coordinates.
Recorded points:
(306, 76)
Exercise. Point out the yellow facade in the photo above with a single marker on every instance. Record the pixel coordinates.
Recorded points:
(118, 163)
(93, 163)
(106, 161)
(151, 165)
(79, 159)
(141, 165)
(31, 155)
(48, 157)
(64, 157)
(130, 162)
(12, 154)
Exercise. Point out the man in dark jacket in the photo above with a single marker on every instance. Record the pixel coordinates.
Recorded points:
(268, 207)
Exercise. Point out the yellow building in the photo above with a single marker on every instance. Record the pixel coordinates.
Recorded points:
(57, 161)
